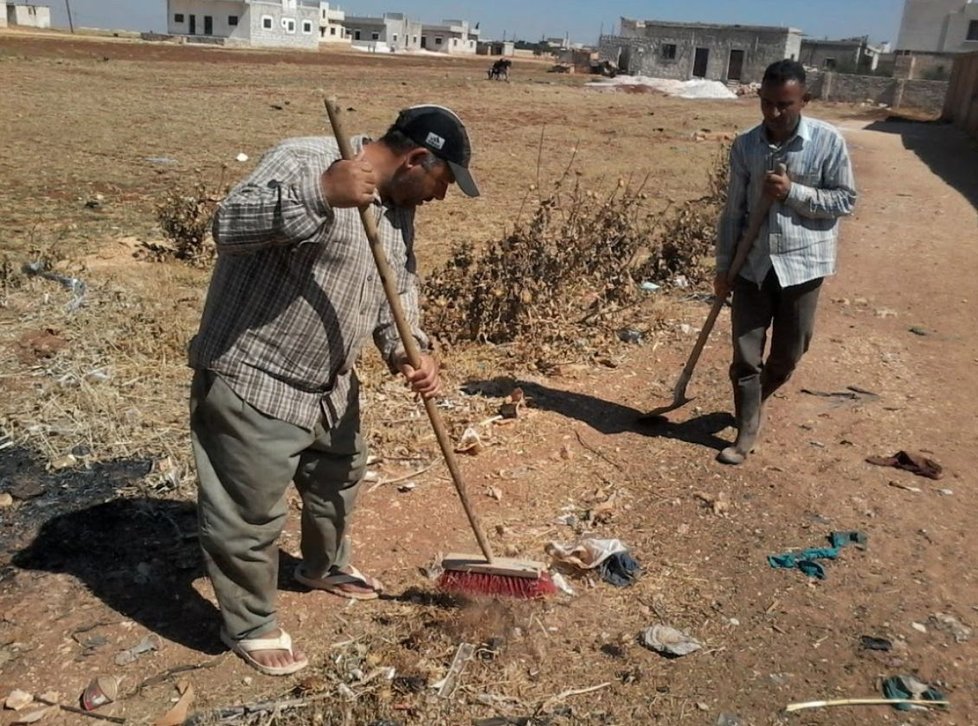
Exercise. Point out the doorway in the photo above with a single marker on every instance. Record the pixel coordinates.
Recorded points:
(700, 62)
(735, 70)
(193, 25)
(208, 25)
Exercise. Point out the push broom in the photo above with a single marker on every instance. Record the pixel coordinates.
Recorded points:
(462, 573)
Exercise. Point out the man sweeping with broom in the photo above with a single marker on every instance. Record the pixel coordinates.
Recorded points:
(800, 167)
(274, 398)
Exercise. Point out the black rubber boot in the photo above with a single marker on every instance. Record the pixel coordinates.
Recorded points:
(747, 407)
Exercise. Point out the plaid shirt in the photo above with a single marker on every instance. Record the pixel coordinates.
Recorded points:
(295, 292)
(799, 237)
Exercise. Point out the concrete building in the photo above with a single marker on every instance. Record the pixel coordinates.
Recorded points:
(849, 55)
(332, 25)
(452, 36)
(938, 26)
(504, 48)
(698, 50)
(27, 16)
(392, 32)
(264, 23)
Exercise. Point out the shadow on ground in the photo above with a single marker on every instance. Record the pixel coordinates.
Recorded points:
(946, 150)
(139, 555)
(608, 417)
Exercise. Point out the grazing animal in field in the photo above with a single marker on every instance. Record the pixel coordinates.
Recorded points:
(500, 70)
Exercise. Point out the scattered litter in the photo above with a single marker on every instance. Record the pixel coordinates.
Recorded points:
(630, 335)
(73, 284)
(585, 554)
(729, 719)
(63, 462)
(906, 487)
(945, 492)
(470, 443)
(95, 202)
(668, 641)
(916, 330)
(18, 700)
(561, 583)
(719, 503)
(408, 486)
(686, 329)
(914, 463)
(511, 408)
(620, 570)
(805, 560)
(178, 714)
(851, 394)
(908, 688)
(147, 645)
(242, 157)
(161, 160)
(648, 286)
(681, 281)
(35, 716)
(102, 690)
(886, 313)
(569, 520)
(447, 685)
(919, 627)
(494, 493)
(950, 624)
(870, 643)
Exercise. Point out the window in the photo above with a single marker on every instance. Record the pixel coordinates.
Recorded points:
(356, 35)
(289, 25)
(332, 31)
(394, 38)
(307, 27)
(375, 36)
(415, 41)
(437, 40)
(454, 41)
(829, 64)
(266, 22)
(232, 20)
(973, 30)
(669, 51)
(177, 17)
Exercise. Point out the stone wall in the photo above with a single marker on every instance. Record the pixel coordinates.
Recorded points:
(897, 93)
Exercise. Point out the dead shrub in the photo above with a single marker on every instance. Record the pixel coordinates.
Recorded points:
(185, 215)
(558, 281)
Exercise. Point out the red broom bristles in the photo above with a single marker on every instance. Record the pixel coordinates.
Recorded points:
(490, 585)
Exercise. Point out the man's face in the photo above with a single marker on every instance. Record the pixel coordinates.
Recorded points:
(414, 184)
(781, 105)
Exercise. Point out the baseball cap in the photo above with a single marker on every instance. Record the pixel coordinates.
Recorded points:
(442, 132)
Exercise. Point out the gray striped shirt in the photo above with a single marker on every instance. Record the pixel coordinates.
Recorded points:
(295, 292)
(799, 237)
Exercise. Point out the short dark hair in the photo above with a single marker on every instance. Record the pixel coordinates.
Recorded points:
(784, 71)
(399, 142)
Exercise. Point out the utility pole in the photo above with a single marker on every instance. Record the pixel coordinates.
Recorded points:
(71, 25)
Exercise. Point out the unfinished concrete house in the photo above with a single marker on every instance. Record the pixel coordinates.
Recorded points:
(849, 55)
(683, 51)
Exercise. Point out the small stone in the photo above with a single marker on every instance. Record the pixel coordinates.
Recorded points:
(566, 453)
(702, 706)
(6, 500)
(919, 627)
(945, 492)
(247, 680)
(734, 621)
(64, 462)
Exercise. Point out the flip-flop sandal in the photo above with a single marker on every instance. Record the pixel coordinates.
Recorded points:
(333, 583)
(246, 646)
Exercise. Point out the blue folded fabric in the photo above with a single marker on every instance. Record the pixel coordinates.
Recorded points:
(620, 569)
(804, 560)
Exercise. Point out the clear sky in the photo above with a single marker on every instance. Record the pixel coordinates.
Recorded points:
(530, 20)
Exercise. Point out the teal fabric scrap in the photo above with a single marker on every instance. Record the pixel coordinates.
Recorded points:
(841, 539)
(896, 687)
(804, 560)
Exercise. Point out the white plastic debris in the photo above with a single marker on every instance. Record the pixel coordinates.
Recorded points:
(669, 641)
(242, 157)
(586, 553)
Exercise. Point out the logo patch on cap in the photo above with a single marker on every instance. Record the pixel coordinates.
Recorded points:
(434, 140)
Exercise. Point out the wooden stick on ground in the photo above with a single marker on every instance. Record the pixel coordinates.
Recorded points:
(863, 702)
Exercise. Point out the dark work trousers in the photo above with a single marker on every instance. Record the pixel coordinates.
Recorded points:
(789, 312)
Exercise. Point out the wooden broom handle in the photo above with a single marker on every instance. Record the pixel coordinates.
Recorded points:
(407, 335)
(741, 252)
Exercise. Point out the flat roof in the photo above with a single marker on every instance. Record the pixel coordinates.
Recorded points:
(716, 26)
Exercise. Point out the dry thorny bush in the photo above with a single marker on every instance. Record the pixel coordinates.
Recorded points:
(557, 282)
(185, 216)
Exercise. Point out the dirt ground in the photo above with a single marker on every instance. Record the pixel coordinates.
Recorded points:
(99, 551)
